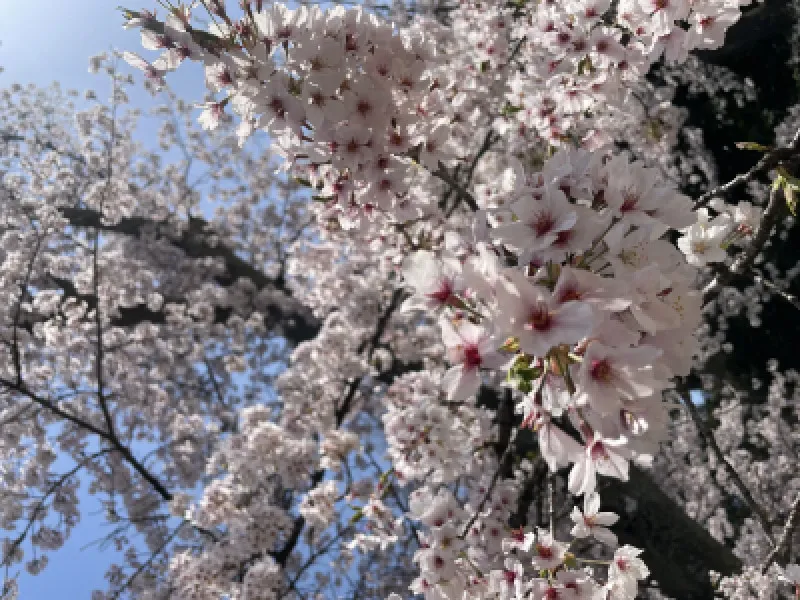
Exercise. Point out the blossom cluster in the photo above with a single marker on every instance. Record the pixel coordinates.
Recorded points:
(594, 324)
(339, 89)
(583, 56)
(562, 281)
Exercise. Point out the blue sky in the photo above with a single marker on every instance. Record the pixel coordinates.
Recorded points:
(48, 40)
(42, 41)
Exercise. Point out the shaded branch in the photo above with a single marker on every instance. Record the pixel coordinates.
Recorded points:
(40, 505)
(775, 211)
(711, 440)
(283, 313)
(782, 548)
(767, 162)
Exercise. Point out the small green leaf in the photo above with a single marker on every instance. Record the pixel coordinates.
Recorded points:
(356, 516)
(753, 146)
(585, 65)
(790, 191)
(510, 109)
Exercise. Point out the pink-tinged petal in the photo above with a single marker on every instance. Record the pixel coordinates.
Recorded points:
(566, 221)
(605, 519)
(655, 316)
(614, 466)
(574, 321)
(471, 333)
(591, 503)
(557, 447)
(492, 359)
(605, 536)
(515, 234)
(461, 383)
(580, 530)
(450, 336)
(135, 61)
(601, 397)
(578, 476)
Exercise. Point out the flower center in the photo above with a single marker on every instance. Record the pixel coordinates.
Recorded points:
(601, 370)
(563, 238)
(570, 294)
(444, 292)
(363, 107)
(540, 318)
(472, 357)
(630, 200)
(542, 223)
(545, 552)
(599, 451)
(518, 535)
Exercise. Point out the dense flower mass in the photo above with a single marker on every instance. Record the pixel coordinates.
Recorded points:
(479, 265)
(566, 287)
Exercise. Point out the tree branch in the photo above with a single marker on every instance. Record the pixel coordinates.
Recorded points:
(767, 162)
(775, 211)
(708, 435)
(283, 313)
(783, 547)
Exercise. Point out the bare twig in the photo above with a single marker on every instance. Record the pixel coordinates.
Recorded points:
(92, 428)
(148, 562)
(445, 175)
(708, 435)
(776, 209)
(495, 478)
(783, 546)
(12, 549)
(783, 294)
(768, 161)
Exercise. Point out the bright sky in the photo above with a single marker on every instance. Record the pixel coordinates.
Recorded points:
(42, 41)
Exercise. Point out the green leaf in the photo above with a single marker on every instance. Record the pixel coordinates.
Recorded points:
(753, 146)
(585, 65)
(356, 516)
(790, 191)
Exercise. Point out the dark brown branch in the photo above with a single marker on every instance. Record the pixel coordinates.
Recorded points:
(678, 550)
(88, 426)
(445, 175)
(504, 448)
(15, 354)
(340, 413)
(197, 240)
(767, 162)
(98, 318)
